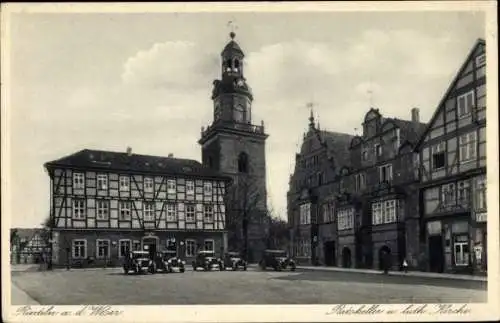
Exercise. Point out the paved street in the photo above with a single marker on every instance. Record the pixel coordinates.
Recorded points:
(111, 286)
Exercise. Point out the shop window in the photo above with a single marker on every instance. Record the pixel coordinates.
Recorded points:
(461, 250)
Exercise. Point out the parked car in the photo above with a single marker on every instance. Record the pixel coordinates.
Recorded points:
(277, 259)
(167, 261)
(139, 262)
(234, 261)
(207, 260)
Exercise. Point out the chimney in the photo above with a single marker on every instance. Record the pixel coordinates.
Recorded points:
(170, 155)
(415, 115)
(129, 151)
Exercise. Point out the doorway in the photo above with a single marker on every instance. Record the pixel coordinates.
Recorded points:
(329, 250)
(384, 254)
(346, 257)
(436, 257)
(150, 244)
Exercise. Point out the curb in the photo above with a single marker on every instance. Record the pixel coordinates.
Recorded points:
(397, 273)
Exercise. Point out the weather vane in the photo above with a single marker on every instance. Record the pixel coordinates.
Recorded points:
(233, 26)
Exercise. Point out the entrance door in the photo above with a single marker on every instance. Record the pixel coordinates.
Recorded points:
(436, 257)
(346, 257)
(329, 249)
(150, 245)
(384, 257)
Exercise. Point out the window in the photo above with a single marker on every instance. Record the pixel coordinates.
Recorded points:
(79, 209)
(448, 194)
(465, 104)
(189, 187)
(305, 213)
(190, 213)
(243, 163)
(385, 173)
(102, 209)
(124, 183)
(171, 213)
(359, 182)
(377, 215)
(190, 248)
(79, 249)
(149, 211)
(390, 211)
(397, 140)
(103, 250)
(207, 188)
(364, 154)
(209, 245)
(328, 213)
(171, 186)
(480, 60)
(463, 192)
(124, 246)
(148, 184)
(384, 212)
(137, 245)
(102, 181)
(438, 156)
(461, 248)
(480, 193)
(125, 210)
(208, 213)
(78, 180)
(345, 218)
(468, 146)
(378, 150)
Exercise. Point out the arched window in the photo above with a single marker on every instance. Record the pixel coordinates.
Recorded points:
(229, 63)
(243, 163)
(236, 63)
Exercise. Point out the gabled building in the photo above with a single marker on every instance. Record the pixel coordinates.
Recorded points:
(104, 204)
(311, 209)
(452, 159)
(378, 201)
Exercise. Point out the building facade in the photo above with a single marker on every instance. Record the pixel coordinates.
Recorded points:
(452, 158)
(310, 206)
(235, 147)
(377, 209)
(104, 204)
(28, 245)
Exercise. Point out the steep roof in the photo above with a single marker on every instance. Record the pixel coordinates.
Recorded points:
(337, 144)
(232, 46)
(118, 161)
(479, 42)
(411, 130)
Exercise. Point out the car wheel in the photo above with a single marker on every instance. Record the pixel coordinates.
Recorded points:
(262, 265)
(206, 268)
(181, 269)
(170, 270)
(292, 267)
(245, 268)
(125, 270)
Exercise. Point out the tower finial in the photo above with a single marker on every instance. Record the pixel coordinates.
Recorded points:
(310, 105)
(233, 26)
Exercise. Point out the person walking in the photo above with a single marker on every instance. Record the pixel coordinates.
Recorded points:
(386, 262)
(405, 265)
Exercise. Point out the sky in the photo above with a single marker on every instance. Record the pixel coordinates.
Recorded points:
(111, 80)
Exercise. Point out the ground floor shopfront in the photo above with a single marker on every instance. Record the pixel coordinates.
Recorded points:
(456, 244)
(78, 248)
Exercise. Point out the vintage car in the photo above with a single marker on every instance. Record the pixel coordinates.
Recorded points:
(207, 261)
(138, 262)
(234, 261)
(277, 259)
(167, 260)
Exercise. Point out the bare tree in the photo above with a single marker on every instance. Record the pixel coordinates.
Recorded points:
(244, 200)
(277, 235)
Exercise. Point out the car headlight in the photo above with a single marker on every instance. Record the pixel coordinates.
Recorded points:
(169, 261)
(183, 262)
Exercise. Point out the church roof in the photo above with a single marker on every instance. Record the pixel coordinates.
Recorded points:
(232, 46)
(118, 161)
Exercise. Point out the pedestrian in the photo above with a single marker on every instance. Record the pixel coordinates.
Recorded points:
(405, 266)
(386, 262)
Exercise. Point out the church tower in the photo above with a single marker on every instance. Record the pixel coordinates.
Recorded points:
(236, 148)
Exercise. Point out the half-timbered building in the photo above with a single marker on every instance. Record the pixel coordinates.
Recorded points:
(311, 208)
(453, 172)
(104, 204)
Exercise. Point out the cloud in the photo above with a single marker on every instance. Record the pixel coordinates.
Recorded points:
(170, 65)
